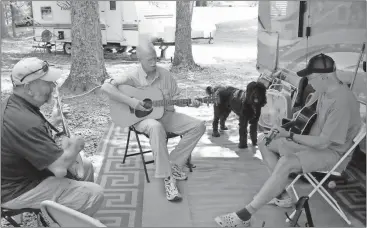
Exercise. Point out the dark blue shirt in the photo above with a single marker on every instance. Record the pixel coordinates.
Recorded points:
(27, 148)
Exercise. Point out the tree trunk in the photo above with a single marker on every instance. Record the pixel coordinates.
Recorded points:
(88, 65)
(13, 18)
(183, 48)
(4, 28)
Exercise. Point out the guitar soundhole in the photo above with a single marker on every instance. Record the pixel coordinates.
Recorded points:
(148, 104)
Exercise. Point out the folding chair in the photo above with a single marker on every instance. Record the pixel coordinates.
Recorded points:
(318, 185)
(57, 215)
(141, 152)
(7, 214)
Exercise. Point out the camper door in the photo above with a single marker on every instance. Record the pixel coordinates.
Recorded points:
(111, 15)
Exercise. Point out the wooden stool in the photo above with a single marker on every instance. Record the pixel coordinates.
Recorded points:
(141, 152)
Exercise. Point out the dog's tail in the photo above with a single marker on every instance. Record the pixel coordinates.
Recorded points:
(209, 90)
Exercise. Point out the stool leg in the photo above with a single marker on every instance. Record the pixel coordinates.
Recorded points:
(189, 163)
(142, 157)
(127, 146)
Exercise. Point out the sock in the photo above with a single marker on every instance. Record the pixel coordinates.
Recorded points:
(245, 213)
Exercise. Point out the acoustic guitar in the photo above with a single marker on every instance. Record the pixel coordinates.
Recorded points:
(124, 115)
(301, 124)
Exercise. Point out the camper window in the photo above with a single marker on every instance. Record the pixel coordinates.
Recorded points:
(112, 5)
(46, 13)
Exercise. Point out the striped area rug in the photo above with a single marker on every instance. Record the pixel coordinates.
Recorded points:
(123, 183)
(352, 193)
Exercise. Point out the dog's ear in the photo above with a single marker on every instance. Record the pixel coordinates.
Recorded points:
(249, 89)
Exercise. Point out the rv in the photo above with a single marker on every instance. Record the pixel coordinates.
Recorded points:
(290, 33)
(121, 22)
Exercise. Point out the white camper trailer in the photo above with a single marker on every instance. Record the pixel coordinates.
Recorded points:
(121, 22)
(290, 33)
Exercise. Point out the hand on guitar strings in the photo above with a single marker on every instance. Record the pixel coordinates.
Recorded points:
(140, 105)
(195, 103)
(280, 132)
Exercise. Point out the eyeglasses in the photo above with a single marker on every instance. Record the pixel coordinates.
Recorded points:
(44, 68)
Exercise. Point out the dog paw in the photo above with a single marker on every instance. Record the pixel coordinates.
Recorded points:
(242, 145)
(215, 134)
(224, 128)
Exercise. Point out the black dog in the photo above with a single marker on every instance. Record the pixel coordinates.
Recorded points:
(246, 104)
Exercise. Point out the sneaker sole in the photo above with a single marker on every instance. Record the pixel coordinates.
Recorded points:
(176, 198)
(279, 205)
(177, 178)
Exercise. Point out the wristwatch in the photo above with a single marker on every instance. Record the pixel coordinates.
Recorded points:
(290, 137)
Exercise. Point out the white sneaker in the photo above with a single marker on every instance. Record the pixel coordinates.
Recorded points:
(177, 173)
(232, 220)
(285, 202)
(172, 193)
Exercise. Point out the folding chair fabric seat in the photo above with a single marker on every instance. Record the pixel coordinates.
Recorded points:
(141, 152)
(317, 186)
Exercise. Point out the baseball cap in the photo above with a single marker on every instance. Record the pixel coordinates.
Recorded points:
(320, 63)
(30, 69)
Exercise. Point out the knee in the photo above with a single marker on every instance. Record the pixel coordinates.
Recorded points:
(288, 164)
(88, 170)
(156, 128)
(97, 195)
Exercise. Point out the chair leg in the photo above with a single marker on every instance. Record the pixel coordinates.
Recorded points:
(42, 220)
(11, 221)
(188, 163)
(329, 199)
(323, 192)
(127, 146)
(142, 157)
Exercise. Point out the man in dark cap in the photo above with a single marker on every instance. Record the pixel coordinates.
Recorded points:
(338, 122)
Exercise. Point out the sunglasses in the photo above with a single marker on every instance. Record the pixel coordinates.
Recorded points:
(44, 68)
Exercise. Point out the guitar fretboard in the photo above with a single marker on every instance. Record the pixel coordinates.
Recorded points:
(179, 102)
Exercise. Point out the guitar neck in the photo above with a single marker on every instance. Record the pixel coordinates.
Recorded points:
(177, 102)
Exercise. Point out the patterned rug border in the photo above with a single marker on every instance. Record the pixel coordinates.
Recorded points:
(353, 184)
(103, 149)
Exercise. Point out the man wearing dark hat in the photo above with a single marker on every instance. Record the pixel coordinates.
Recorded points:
(33, 167)
(338, 122)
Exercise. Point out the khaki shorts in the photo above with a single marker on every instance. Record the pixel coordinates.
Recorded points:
(83, 196)
(311, 159)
